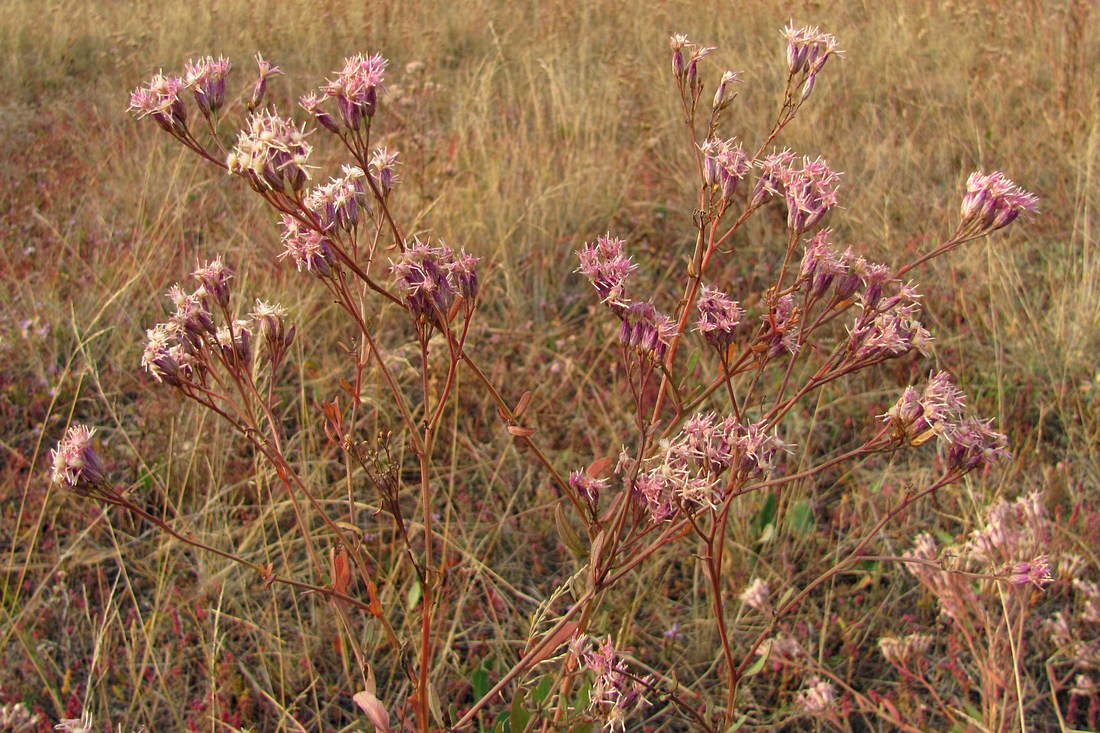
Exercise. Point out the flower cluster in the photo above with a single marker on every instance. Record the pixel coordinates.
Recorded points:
(76, 463)
(724, 94)
(355, 90)
(337, 204)
(688, 471)
(587, 487)
(206, 79)
(607, 268)
(901, 651)
(615, 692)
(809, 190)
(889, 328)
(918, 416)
(807, 51)
(271, 154)
(687, 73)
(992, 202)
(646, 331)
(160, 100)
(309, 248)
(756, 596)
(782, 322)
(725, 164)
(432, 277)
(719, 316)
(383, 168)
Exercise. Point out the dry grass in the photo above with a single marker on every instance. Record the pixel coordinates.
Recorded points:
(535, 126)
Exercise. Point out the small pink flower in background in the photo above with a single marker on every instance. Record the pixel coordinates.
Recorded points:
(83, 724)
(18, 719)
(992, 202)
(756, 596)
(817, 697)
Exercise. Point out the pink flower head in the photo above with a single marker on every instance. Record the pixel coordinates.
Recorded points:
(817, 696)
(586, 486)
(974, 443)
(214, 278)
(160, 99)
(309, 249)
(775, 168)
(383, 168)
(646, 331)
(607, 268)
(724, 165)
(75, 462)
(206, 78)
(266, 70)
(724, 94)
(340, 202)
(615, 692)
(992, 202)
(820, 265)
(271, 154)
(431, 277)
(1036, 572)
(718, 317)
(355, 88)
(919, 416)
(807, 51)
(810, 193)
(755, 596)
(677, 43)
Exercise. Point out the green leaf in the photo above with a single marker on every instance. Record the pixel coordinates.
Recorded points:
(518, 717)
(413, 596)
(500, 724)
(692, 362)
(801, 517)
(480, 681)
(766, 514)
(755, 667)
(542, 690)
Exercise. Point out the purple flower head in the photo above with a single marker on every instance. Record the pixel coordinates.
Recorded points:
(718, 317)
(340, 202)
(160, 99)
(75, 462)
(166, 358)
(425, 274)
(724, 165)
(206, 78)
(615, 692)
(1035, 572)
(308, 248)
(312, 104)
(607, 268)
(269, 322)
(214, 278)
(646, 331)
(463, 273)
(677, 43)
(271, 154)
(383, 168)
(820, 265)
(807, 51)
(266, 70)
(235, 344)
(724, 94)
(587, 487)
(356, 87)
(774, 170)
(973, 443)
(810, 193)
(192, 316)
(783, 321)
(992, 202)
(916, 417)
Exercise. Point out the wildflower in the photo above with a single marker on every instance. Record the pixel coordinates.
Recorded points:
(192, 316)
(1036, 572)
(691, 75)
(308, 248)
(607, 268)
(431, 277)
(646, 331)
(891, 334)
(718, 317)
(774, 169)
(898, 651)
(917, 417)
(587, 487)
(340, 202)
(312, 104)
(160, 99)
(973, 443)
(724, 165)
(83, 724)
(355, 88)
(615, 692)
(206, 78)
(817, 697)
(383, 168)
(807, 51)
(214, 278)
(268, 320)
(755, 596)
(810, 193)
(235, 344)
(166, 358)
(783, 320)
(820, 265)
(677, 44)
(723, 94)
(464, 275)
(266, 70)
(992, 202)
(18, 719)
(270, 154)
(75, 462)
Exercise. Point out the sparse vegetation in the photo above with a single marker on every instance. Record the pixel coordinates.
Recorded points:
(780, 588)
